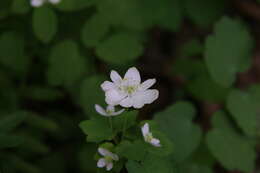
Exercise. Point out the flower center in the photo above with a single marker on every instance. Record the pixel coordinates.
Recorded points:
(109, 112)
(149, 137)
(108, 158)
(128, 86)
(130, 89)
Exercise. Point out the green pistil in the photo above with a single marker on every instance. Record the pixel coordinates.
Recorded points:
(108, 158)
(130, 89)
(149, 137)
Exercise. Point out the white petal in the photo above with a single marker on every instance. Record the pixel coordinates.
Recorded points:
(127, 102)
(118, 112)
(133, 74)
(145, 129)
(147, 84)
(54, 1)
(155, 142)
(115, 157)
(115, 77)
(100, 110)
(145, 97)
(107, 86)
(37, 3)
(109, 166)
(104, 152)
(101, 163)
(110, 108)
(113, 97)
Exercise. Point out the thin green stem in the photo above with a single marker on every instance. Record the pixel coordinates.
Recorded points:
(124, 127)
(111, 123)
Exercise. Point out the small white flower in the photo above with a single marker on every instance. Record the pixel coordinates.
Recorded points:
(107, 160)
(110, 111)
(148, 136)
(129, 91)
(38, 3)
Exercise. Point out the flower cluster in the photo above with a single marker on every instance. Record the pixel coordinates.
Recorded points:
(127, 92)
(38, 3)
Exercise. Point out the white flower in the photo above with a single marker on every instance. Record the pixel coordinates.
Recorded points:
(129, 91)
(107, 160)
(110, 111)
(148, 136)
(38, 3)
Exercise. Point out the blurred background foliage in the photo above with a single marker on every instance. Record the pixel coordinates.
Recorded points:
(205, 55)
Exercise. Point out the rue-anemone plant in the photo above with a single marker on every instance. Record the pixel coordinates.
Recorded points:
(123, 141)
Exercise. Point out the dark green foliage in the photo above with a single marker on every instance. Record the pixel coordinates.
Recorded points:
(53, 59)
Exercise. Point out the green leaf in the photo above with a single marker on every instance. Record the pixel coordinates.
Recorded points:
(192, 48)
(13, 56)
(120, 48)
(167, 146)
(132, 150)
(42, 123)
(74, 5)
(63, 57)
(254, 91)
(90, 88)
(151, 164)
(86, 155)
(10, 141)
(128, 13)
(44, 24)
(195, 168)
(204, 12)
(232, 150)
(169, 13)
(42, 93)
(241, 107)
(20, 6)
(97, 130)
(94, 30)
(24, 166)
(4, 8)
(11, 121)
(176, 123)
(33, 145)
(124, 121)
(203, 88)
(227, 50)
(189, 68)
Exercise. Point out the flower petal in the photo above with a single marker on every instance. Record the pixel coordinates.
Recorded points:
(118, 112)
(115, 77)
(107, 86)
(113, 97)
(145, 129)
(147, 84)
(127, 102)
(109, 166)
(104, 152)
(115, 157)
(100, 110)
(37, 3)
(133, 74)
(101, 163)
(155, 142)
(145, 97)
